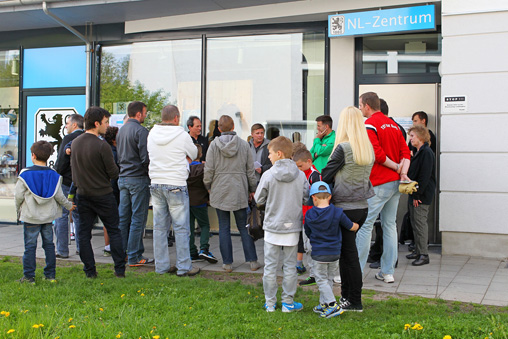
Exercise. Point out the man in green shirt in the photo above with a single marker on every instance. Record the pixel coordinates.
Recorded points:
(323, 143)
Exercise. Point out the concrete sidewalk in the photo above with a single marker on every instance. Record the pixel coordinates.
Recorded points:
(461, 278)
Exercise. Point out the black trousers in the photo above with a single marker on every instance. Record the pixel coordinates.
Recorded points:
(104, 207)
(349, 264)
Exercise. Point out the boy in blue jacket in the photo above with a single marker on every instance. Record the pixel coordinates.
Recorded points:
(322, 227)
(39, 199)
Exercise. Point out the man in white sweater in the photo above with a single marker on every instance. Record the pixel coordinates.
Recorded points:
(168, 147)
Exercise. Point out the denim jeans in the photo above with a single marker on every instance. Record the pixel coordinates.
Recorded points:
(170, 205)
(62, 228)
(103, 206)
(225, 244)
(290, 279)
(30, 233)
(133, 211)
(385, 202)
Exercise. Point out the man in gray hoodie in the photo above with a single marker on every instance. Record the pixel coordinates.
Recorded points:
(230, 178)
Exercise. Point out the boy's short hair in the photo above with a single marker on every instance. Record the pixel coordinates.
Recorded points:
(255, 127)
(325, 120)
(42, 150)
(320, 190)
(282, 144)
(200, 151)
(226, 123)
(110, 135)
(298, 146)
(302, 155)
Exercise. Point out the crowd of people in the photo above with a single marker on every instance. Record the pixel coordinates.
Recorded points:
(321, 202)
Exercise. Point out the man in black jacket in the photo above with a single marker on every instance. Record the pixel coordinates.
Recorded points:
(74, 127)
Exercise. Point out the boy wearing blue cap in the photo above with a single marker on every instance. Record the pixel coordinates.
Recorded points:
(322, 227)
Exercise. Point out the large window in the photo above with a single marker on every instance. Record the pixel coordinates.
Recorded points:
(402, 54)
(275, 80)
(157, 73)
(9, 122)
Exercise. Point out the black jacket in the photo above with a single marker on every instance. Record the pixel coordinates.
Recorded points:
(63, 161)
(422, 170)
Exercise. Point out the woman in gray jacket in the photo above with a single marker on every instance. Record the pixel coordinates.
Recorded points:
(349, 168)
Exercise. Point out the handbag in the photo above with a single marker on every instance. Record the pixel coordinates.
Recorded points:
(255, 222)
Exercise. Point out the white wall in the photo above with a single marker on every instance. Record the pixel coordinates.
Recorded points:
(474, 144)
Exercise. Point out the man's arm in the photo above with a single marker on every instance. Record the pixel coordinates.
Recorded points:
(261, 192)
(190, 148)
(143, 150)
(109, 161)
(250, 171)
(322, 147)
(335, 163)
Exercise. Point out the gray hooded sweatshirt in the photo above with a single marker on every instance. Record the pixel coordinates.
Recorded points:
(229, 172)
(283, 189)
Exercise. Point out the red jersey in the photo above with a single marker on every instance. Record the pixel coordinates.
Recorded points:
(312, 175)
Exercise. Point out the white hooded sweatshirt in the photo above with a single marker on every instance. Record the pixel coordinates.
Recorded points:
(168, 147)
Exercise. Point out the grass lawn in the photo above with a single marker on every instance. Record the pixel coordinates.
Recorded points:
(148, 305)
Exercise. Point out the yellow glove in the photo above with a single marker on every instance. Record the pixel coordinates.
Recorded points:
(408, 188)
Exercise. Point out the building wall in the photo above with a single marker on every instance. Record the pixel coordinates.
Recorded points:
(474, 151)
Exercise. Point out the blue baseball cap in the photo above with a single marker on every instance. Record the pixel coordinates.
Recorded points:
(315, 188)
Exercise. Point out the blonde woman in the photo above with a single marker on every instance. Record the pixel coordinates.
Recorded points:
(349, 169)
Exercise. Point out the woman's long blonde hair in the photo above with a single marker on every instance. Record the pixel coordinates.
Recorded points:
(351, 128)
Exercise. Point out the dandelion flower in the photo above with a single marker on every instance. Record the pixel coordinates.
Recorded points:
(72, 326)
(41, 325)
(101, 309)
(11, 331)
(248, 292)
(35, 325)
(2, 313)
(406, 326)
(123, 295)
(119, 335)
(6, 314)
(25, 311)
(70, 319)
(184, 324)
(154, 327)
(156, 337)
(139, 291)
(142, 294)
(256, 297)
(447, 337)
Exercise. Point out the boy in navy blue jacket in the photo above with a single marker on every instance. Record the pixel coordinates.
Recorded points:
(322, 227)
(39, 201)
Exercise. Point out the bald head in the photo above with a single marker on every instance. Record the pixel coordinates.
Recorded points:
(170, 114)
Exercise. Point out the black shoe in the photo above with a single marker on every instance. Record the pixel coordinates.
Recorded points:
(195, 258)
(422, 260)
(413, 255)
(120, 275)
(375, 265)
(208, 256)
(347, 306)
(411, 247)
(308, 282)
(92, 275)
(27, 280)
(59, 256)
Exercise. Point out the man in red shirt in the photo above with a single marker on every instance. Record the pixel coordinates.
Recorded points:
(390, 166)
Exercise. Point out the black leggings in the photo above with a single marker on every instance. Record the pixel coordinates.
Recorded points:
(349, 264)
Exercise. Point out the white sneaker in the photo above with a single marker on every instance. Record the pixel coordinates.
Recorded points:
(337, 279)
(227, 268)
(254, 266)
(387, 278)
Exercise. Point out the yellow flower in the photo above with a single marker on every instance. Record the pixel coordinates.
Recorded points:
(119, 335)
(35, 326)
(406, 326)
(139, 291)
(417, 327)
(101, 309)
(72, 326)
(102, 284)
(154, 327)
(184, 324)
(142, 294)
(447, 337)
(190, 307)
(41, 325)
(156, 337)
(11, 331)
(25, 311)
(248, 292)
(256, 297)
(70, 319)
(123, 295)
(2, 313)
(6, 314)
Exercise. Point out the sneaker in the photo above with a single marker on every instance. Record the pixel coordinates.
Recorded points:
(27, 280)
(387, 278)
(301, 270)
(120, 275)
(142, 262)
(332, 311)
(319, 308)
(172, 270)
(269, 308)
(347, 306)
(196, 258)
(106, 253)
(308, 282)
(375, 265)
(91, 275)
(254, 266)
(286, 308)
(337, 279)
(73, 237)
(342, 300)
(60, 256)
(227, 268)
(208, 256)
(192, 272)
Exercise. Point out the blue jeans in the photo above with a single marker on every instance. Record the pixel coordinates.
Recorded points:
(171, 206)
(30, 233)
(133, 211)
(386, 202)
(62, 228)
(225, 244)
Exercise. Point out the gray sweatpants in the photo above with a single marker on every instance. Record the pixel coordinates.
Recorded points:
(308, 250)
(290, 279)
(324, 273)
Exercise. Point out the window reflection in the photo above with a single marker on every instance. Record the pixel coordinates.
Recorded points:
(9, 122)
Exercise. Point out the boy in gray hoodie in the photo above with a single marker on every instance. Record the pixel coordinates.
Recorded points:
(38, 199)
(282, 190)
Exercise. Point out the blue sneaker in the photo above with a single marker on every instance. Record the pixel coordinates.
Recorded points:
(286, 308)
(332, 311)
(301, 270)
(269, 308)
(319, 308)
(208, 256)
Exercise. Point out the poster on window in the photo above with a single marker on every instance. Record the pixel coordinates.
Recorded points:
(50, 127)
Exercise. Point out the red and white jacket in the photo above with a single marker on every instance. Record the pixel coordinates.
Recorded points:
(385, 136)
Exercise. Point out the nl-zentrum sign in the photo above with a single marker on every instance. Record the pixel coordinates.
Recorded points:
(404, 19)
